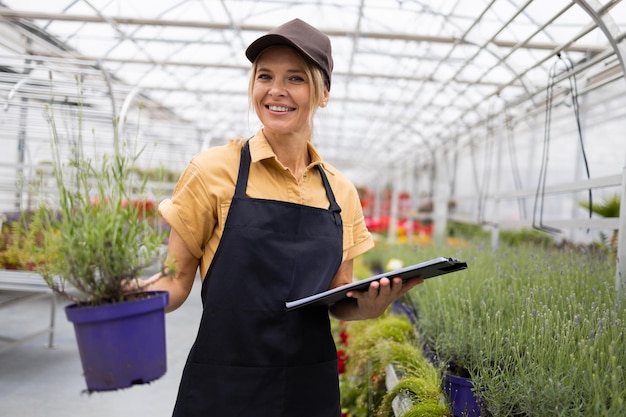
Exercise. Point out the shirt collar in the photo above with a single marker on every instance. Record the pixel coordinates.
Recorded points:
(260, 149)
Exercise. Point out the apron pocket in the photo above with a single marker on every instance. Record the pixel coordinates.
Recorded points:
(233, 391)
(214, 390)
(313, 390)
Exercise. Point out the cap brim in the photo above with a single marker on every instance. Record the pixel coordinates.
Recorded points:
(264, 42)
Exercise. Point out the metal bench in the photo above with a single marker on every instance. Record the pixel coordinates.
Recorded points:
(21, 286)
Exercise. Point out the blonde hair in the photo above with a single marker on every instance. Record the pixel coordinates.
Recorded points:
(315, 76)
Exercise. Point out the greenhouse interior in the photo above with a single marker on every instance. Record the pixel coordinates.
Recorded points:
(485, 132)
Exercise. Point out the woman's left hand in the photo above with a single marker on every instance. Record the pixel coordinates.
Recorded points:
(373, 302)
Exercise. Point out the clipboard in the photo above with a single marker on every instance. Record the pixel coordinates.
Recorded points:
(428, 269)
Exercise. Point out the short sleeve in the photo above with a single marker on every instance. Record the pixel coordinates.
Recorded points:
(200, 201)
(357, 238)
(189, 211)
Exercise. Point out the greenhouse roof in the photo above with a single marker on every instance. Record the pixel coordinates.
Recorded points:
(410, 77)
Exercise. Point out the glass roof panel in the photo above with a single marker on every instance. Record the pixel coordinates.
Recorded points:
(406, 72)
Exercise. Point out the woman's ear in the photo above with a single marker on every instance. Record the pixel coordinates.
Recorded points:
(324, 99)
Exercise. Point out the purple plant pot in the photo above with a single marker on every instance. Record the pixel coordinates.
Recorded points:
(460, 394)
(121, 344)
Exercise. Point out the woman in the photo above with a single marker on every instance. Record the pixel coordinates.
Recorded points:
(267, 220)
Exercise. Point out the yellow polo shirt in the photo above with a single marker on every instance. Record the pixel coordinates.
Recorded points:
(198, 207)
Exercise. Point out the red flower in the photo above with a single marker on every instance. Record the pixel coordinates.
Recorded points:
(341, 361)
(343, 336)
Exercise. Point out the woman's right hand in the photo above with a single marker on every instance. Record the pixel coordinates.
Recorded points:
(177, 275)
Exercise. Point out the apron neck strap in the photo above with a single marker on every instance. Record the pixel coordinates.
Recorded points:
(334, 207)
(244, 170)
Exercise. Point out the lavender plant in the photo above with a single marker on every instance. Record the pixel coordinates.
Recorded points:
(98, 238)
(540, 331)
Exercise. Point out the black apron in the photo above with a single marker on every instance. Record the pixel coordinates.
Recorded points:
(251, 357)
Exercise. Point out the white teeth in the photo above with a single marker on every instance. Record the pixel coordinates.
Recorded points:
(278, 108)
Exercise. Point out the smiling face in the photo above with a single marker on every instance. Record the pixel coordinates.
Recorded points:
(285, 92)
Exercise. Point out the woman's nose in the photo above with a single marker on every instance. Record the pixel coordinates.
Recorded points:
(277, 88)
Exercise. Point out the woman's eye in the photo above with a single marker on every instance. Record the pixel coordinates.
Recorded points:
(297, 79)
(264, 77)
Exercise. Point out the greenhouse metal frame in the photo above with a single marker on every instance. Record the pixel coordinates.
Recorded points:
(513, 110)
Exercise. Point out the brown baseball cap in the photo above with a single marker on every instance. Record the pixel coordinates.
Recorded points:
(309, 41)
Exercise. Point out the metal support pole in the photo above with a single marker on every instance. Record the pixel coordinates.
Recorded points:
(53, 313)
(392, 233)
(620, 270)
(21, 152)
(495, 231)
(377, 210)
(410, 218)
(440, 197)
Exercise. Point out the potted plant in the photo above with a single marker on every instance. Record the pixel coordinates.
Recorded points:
(608, 208)
(97, 242)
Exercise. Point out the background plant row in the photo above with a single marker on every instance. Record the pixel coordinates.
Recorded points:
(539, 330)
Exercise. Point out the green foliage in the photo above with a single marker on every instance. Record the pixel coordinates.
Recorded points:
(424, 394)
(104, 233)
(365, 334)
(367, 353)
(526, 237)
(375, 344)
(540, 331)
(21, 236)
(609, 207)
(156, 174)
(467, 231)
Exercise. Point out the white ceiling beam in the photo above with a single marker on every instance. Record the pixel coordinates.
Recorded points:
(33, 15)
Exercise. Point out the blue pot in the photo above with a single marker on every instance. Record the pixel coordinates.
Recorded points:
(121, 344)
(460, 394)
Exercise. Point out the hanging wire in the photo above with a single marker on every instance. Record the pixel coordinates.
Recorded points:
(517, 179)
(540, 193)
(575, 105)
(475, 176)
(482, 186)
